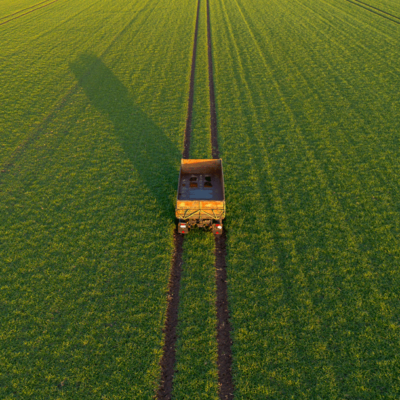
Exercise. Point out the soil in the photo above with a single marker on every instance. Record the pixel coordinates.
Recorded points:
(188, 129)
(169, 350)
(223, 326)
(213, 109)
(167, 362)
(226, 387)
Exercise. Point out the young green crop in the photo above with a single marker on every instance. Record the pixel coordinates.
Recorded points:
(196, 375)
(36, 49)
(308, 121)
(200, 138)
(90, 152)
(387, 6)
(94, 101)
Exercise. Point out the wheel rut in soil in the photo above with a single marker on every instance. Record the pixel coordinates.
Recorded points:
(224, 358)
(188, 128)
(28, 12)
(378, 9)
(167, 362)
(24, 9)
(380, 13)
(223, 325)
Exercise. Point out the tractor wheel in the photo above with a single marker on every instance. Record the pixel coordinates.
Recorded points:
(183, 227)
(217, 229)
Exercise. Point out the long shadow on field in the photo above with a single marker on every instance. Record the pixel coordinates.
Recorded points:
(151, 152)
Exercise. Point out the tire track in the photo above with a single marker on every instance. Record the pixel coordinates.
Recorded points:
(374, 12)
(188, 128)
(223, 326)
(213, 110)
(19, 16)
(24, 9)
(167, 362)
(378, 9)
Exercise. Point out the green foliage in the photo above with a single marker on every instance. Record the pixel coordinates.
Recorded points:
(196, 375)
(91, 131)
(16, 7)
(196, 367)
(388, 6)
(200, 141)
(93, 105)
(308, 122)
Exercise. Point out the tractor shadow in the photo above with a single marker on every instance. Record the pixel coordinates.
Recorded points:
(154, 157)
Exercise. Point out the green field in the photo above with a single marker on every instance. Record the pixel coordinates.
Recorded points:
(93, 105)
(309, 124)
(91, 130)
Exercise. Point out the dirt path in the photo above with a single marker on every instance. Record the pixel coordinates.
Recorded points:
(223, 326)
(188, 128)
(168, 359)
(169, 350)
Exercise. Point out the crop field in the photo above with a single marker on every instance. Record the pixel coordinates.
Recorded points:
(91, 131)
(309, 123)
(94, 100)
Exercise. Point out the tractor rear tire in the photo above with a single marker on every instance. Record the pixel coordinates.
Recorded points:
(217, 229)
(183, 227)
